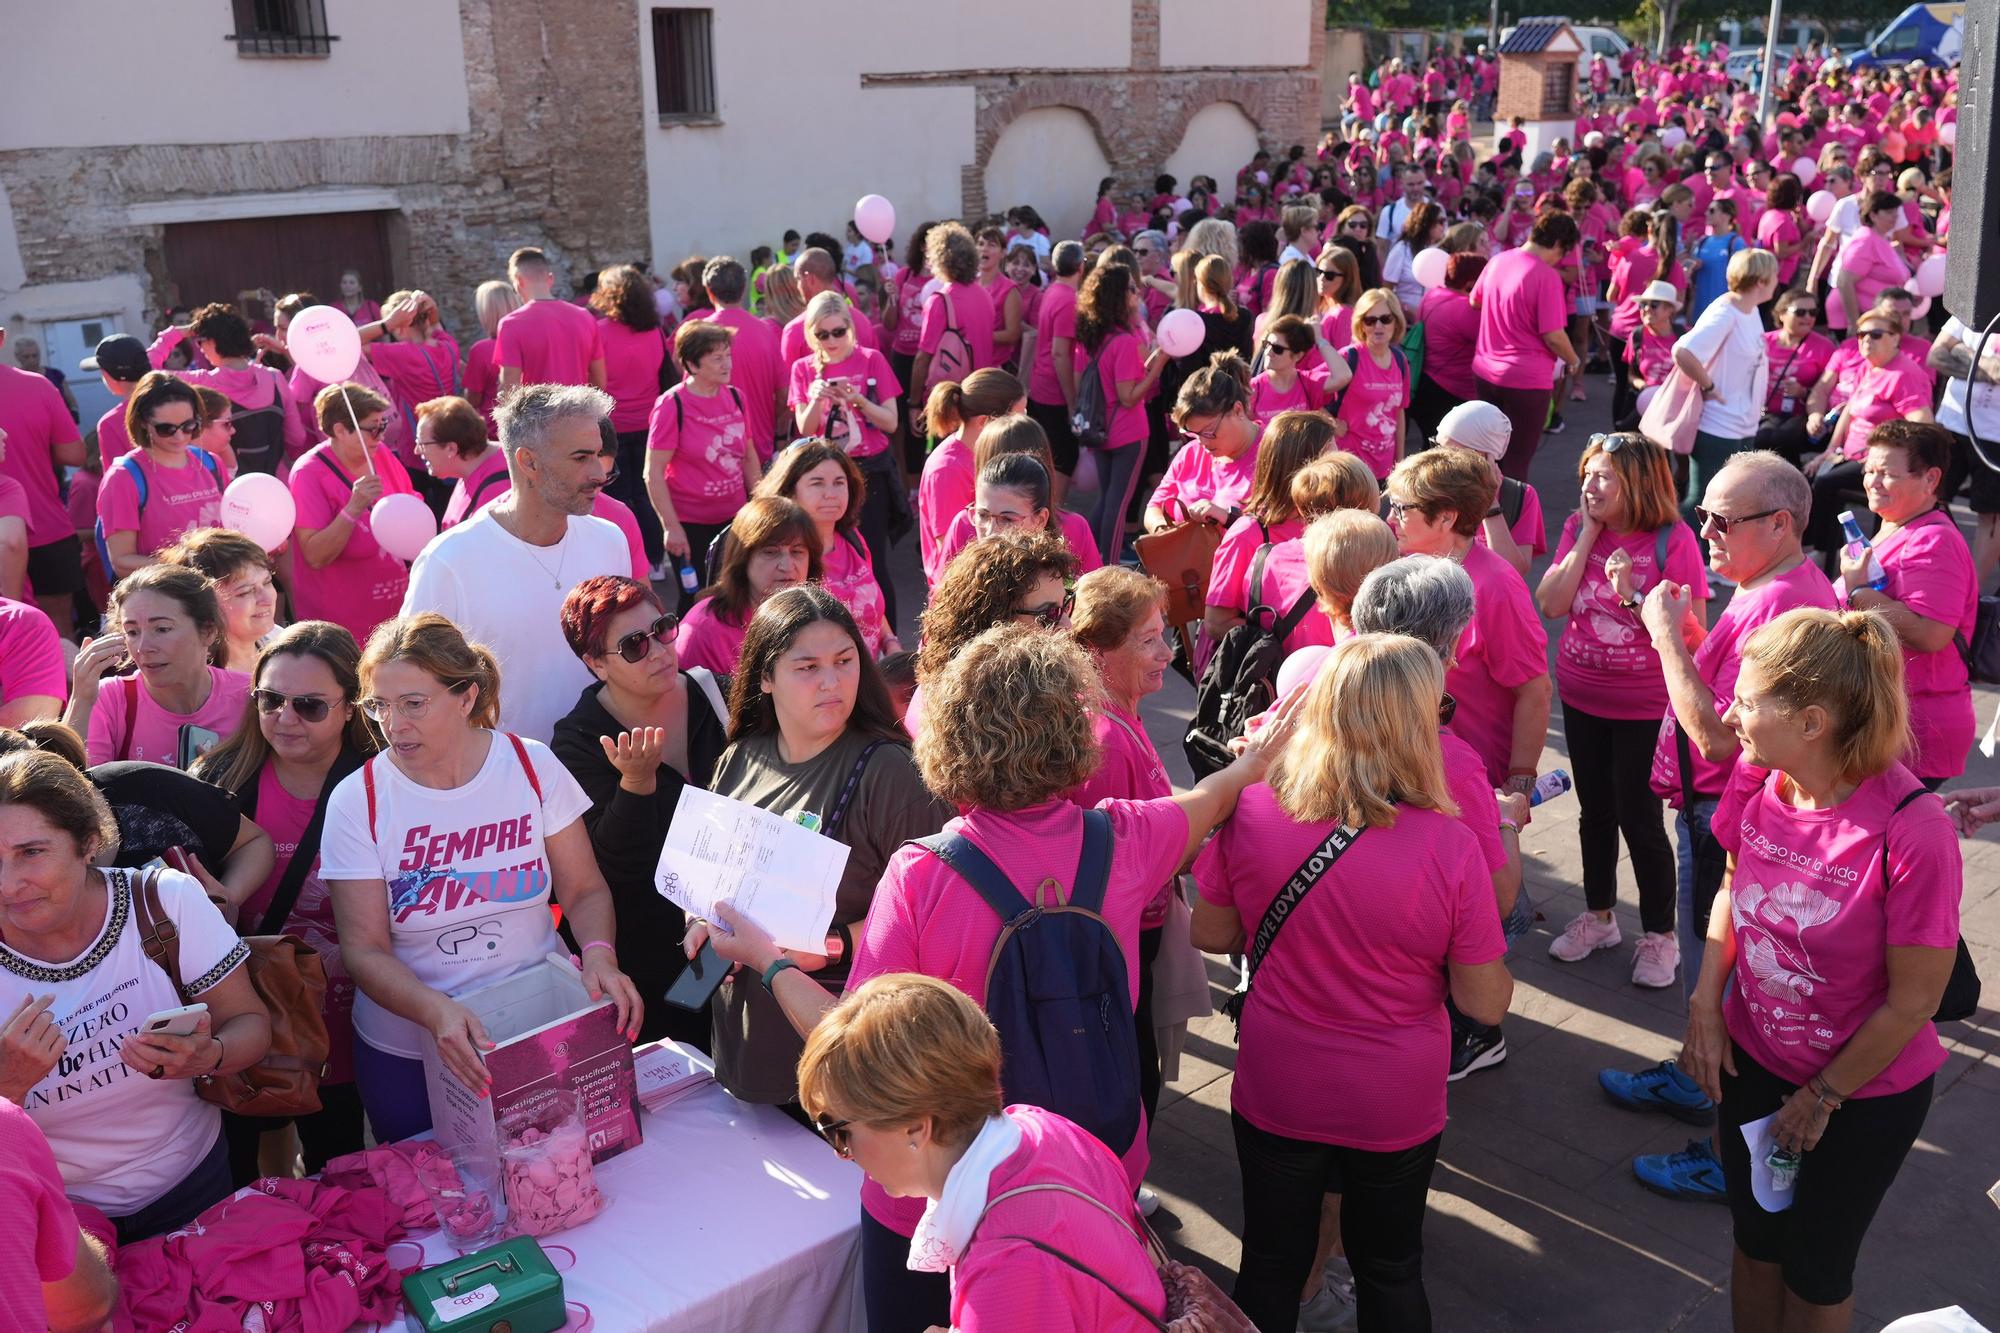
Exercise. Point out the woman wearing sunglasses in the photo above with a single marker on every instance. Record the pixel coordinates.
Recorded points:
(339, 573)
(1373, 401)
(302, 732)
(1019, 578)
(444, 854)
(167, 484)
(1890, 387)
(642, 729)
(1799, 355)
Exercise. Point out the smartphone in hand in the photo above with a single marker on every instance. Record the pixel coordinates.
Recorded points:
(698, 981)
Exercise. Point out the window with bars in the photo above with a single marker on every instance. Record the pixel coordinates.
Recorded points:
(684, 63)
(281, 28)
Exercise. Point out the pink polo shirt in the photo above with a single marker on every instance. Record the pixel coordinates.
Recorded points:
(632, 359)
(1502, 649)
(549, 342)
(943, 492)
(156, 733)
(1345, 1038)
(1196, 474)
(1930, 572)
(177, 499)
(1605, 661)
(705, 639)
(926, 919)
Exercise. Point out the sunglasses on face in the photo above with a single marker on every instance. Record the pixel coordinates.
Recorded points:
(1809, 311)
(633, 647)
(166, 430)
(835, 1132)
(1704, 519)
(828, 335)
(1376, 321)
(375, 431)
(1143, 251)
(1049, 614)
(1357, 224)
(1277, 349)
(309, 707)
(1872, 334)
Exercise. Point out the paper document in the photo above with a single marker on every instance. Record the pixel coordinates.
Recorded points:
(1757, 1134)
(778, 873)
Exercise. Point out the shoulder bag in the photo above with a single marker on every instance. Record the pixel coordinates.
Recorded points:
(1310, 872)
(1674, 415)
(1183, 558)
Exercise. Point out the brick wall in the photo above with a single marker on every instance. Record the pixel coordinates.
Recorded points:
(1520, 91)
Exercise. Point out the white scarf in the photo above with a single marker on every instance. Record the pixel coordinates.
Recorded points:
(946, 1226)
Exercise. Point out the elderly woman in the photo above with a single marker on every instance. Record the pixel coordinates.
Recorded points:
(167, 484)
(454, 446)
(1016, 577)
(701, 464)
(1931, 594)
(1358, 804)
(1437, 500)
(177, 702)
(1013, 733)
(1889, 387)
(770, 544)
(641, 730)
(907, 1059)
(339, 572)
(119, 1106)
(1826, 832)
(301, 734)
(1870, 261)
(811, 729)
(243, 574)
(1625, 537)
(453, 832)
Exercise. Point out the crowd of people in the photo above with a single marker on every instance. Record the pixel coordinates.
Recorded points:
(667, 514)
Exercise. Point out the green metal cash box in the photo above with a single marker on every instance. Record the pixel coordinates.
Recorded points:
(507, 1288)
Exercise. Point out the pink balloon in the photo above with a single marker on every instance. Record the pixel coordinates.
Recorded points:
(1181, 332)
(1820, 207)
(1300, 668)
(1930, 276)
(260, 507)
(1806, 170)
(1085, 477)
(1948, 133)
(403, 525)
(324, 343)
(875, 218)
(1646, 397)
(1921, 308)
(1428, 268)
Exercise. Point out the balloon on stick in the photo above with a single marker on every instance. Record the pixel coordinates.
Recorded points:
(323, 342)
(403, 525)
(875, 218)
(260, 507)
(1181, 332)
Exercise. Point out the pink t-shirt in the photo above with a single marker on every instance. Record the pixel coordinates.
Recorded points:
(1478, 805)
(177, 499)
(39, 1244)
(1345, 1039)
(1805, 363)
(757, 370)
(708, 437)
(31, 660)
(1337, 327)
(1003, 1285)
(1775, 227)
(849, 574)
(1634, 264)
(1502, 649)
(1267, 400)
(549, 342)
(967, 309)
(1229, 576)
(156, 733)
(1605, 661)
(487, 482)
(1197, 474)
(482, 379)
(926, 919)
(1451, 333)
(1055, 318)
(1372, 405)
(705, 639)
(363, 585)
(1883, 393)
(113, 441)
(253, 387)
(1930, 572)
(1121, 360)
(943, 492)
(1075, 533)
(1519, 298)
(619, 514)
(36, 421)
(417, 372)
(1649, 354)
(1873, 262)
(857, 435)
(632, 360)
(1815, 917)
(1718, 661)
(1286, 579)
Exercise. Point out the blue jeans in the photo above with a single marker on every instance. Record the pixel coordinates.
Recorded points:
(1693, 934)
(201, 1189)
(393, 1092)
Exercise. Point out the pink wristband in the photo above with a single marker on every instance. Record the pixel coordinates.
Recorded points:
(596, 944)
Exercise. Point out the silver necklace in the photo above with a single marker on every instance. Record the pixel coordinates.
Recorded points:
(555, 575)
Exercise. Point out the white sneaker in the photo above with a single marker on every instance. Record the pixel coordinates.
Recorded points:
(1149, 1202)
(1656, 959)
(1584, 935)
(1326, 1313)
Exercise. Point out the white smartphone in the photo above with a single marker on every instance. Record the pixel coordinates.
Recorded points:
(179, 1022)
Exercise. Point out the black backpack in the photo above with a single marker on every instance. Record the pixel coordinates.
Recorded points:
(1240, 681)
(1092, 423)
(260, 434)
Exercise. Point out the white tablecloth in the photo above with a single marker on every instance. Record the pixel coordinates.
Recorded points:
(728, 1217)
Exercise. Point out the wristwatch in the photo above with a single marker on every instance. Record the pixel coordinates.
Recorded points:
(1631, 603)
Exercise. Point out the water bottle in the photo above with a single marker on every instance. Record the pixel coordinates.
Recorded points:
(690, 581)
(1549, 785)
(1877, 578)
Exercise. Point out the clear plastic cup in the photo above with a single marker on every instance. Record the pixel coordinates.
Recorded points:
(464, 1184)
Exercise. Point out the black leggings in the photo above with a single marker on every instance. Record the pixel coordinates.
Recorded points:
(1382, 1200)
(332, 1131)
(882, 477)
(1149, 1041)
(1427, 408)
(899, 1299)
(630, 486)
(1841, 1182)
(1823, 528)
(1624, 398)
(1612, 762)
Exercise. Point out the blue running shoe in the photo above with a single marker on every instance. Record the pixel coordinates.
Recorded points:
(1662, 1088)
(1691, 1173)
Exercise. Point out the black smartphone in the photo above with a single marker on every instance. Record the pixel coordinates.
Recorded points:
(699, 979)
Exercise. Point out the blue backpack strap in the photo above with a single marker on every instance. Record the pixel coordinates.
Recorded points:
(207, 460)
(1093, 863)
(138, 475)
(977, 869)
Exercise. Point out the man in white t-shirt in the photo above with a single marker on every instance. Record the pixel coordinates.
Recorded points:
(1416, 190)
(502, 575)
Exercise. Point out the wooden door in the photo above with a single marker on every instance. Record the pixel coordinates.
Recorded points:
(213, 261)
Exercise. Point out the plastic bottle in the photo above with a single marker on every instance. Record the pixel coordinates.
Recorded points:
(1549, 785)
(1877, 578)
(690, 581)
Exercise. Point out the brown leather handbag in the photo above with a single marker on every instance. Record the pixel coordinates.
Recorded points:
(289, 979)
(1182, 557)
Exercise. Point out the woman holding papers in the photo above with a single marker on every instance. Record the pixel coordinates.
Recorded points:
(444, 854)
(813, 731)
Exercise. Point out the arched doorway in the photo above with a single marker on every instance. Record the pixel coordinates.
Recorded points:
(1218, 141)
(1048, 158)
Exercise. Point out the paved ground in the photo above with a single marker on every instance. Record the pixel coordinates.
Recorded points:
(1536, 1221)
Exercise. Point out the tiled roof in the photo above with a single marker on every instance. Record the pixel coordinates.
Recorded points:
(1531, 35)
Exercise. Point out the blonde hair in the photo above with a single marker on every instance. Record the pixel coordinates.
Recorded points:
(1215, 278)
(1208, 237)
(1747, 268)
(432, 643)
(782, 298)
(1008, 721)
(1367, 738)
(1335, 480)
(901, 1049)
(1367, 303)
(1343, 548)
(1455, 479)
(1848, 663)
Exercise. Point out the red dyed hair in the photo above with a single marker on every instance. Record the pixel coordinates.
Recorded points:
(588, 610)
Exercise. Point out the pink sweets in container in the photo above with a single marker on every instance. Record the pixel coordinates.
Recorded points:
(545, 1165)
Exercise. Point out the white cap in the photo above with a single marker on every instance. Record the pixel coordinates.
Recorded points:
(1657, 290)
(1478, 426)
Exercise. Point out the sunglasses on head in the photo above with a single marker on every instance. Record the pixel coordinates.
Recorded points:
(1050, 614)
(309, 707)
(828, 335)
(166, 430)
(633, 647)
(1612, 442)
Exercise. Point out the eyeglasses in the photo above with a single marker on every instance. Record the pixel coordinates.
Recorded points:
(411, 707)
(309, 707)
(635, 646)
(828, 335)
(836, 1134)
(1049, 614)
(1704, 519)
(1277, 349)
(375, 431)
(1809, 311)
(1871, 335)
(1374, 321)
(166, 430)
(1398, 508)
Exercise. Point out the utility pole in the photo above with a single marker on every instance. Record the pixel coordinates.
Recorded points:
(1767, 92)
